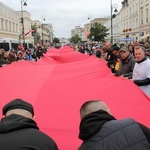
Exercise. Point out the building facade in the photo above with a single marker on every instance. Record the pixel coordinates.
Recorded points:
(131, 23)
(144, 22)
(129, 17)
(77, 31)
(27, 26)
(9, 22)
(47, 33)
(115, 27)
(15, 24)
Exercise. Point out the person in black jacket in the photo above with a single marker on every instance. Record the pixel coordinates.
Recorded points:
(18, 130)
(110, 56)
(99, 130)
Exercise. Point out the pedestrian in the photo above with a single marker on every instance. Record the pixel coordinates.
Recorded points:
(18, 130)
(126, 63)
(110, 57)
(28, 55)
(141, 71)
(115, 66)
(20, 56)
(99, 130)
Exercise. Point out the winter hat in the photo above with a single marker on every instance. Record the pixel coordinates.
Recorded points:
(18, 104)
(116, 48)
(19, 52)
(124, 48)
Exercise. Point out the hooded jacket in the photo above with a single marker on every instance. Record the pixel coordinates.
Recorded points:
(21, 133)
(101, 131)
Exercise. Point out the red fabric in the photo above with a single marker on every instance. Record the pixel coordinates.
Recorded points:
(87, 34)
(29, 32)
(59, 83)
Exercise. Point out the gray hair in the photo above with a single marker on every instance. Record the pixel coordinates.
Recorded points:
(91, 106)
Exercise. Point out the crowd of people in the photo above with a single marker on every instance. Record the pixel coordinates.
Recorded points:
(131, 61)
(21, 53)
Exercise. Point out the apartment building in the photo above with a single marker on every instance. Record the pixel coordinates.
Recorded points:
(83, 32)
(27, 25)
(86, 32)
(77, 31)
(133, 21)
(115, 28)
(129, 19)
(11, 26)
(144, 13)
(47, 33)
(9, 22)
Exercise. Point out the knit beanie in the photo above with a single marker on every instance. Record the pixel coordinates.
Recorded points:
(18, 104)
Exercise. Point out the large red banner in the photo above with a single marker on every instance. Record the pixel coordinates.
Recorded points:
(59, 83)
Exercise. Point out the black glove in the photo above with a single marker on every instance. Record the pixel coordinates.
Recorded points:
(142, 82)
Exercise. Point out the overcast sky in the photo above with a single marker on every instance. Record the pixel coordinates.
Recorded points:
(64, 15)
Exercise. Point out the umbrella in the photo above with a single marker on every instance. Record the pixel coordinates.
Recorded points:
(59, 83)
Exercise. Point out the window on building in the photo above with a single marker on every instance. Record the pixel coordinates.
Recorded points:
(126, 13)
(147, 15)
(13, 27)
(130, 10)
(133, 24)
(9, 25)
(130, 24)
(17, 28)
(136, 7)
(136, 23)
(142, 17)
(2, 25)
(6, 25)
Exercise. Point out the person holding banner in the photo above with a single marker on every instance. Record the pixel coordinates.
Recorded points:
(100, 130)
(18, 130)
(141, 71)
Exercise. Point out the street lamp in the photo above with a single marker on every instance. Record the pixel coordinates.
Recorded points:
(112, 7)
(42, 19)
(23, 3)
(90, 21)
(90, 25)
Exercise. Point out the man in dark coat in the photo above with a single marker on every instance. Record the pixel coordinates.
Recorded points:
(110, 56)
(99, 130)
(18, 130)
(126, 64)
